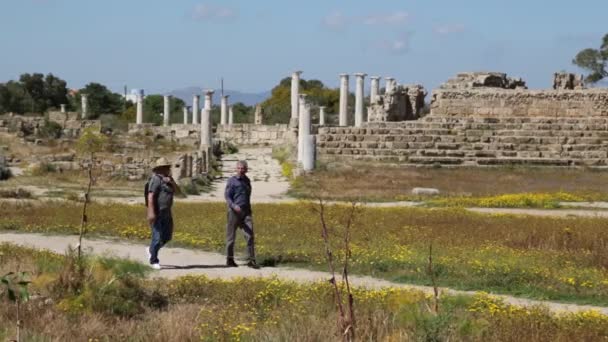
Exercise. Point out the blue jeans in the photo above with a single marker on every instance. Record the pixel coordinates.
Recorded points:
(162, 231)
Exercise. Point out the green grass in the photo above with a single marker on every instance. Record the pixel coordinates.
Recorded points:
(540, 257)
(110, 303)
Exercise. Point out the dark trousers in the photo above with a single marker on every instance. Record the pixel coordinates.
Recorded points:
(162, 231)
(245, 222)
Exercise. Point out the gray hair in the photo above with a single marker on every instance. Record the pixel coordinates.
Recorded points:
(242, 163)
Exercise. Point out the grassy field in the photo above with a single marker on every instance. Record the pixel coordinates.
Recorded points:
(545, 258)
(111, 300)
(386, 183)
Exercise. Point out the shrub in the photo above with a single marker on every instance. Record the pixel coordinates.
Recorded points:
(43, 169)
(15, 193)
(5, 173)
(50, 129)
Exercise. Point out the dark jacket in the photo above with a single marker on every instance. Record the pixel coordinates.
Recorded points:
(238, 192)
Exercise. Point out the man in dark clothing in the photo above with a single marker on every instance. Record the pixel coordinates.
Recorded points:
(238, 199)
(161, 188)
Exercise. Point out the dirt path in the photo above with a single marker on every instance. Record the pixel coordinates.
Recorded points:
(178, 262)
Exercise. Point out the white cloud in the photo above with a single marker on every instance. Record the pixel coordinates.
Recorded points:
(335, 21)
(398, 46)
(338, 21)
(448, 29)
(394, 18)
(206, 12)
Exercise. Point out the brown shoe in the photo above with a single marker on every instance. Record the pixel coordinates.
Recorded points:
(231, 263)
(253, 264)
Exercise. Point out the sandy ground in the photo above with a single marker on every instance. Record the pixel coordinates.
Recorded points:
(177, 262)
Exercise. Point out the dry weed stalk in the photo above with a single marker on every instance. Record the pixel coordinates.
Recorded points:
(346, 320)
(431, 273)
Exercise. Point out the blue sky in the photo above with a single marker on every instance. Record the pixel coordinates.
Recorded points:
(161, 45)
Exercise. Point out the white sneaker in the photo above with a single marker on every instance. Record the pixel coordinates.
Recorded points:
(155, 266)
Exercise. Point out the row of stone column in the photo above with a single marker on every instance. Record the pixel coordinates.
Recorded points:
(390, 86)
(343, 108)
(227, 116)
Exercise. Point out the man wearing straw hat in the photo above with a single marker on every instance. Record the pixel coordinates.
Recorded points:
(159, 198)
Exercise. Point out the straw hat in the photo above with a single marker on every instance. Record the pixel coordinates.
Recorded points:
(160, 162)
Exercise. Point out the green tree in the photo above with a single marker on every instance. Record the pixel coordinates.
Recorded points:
(100, 100)
(55, 92)
(154, 106)
(277, 108)
(15, 98)
(34, 86)
(242, 113)
(594, 60)
(33, 93)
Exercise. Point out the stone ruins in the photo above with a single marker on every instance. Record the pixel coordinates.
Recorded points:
(482, 119)
(474, 119)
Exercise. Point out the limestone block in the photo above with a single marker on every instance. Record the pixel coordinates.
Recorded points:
(425, 191)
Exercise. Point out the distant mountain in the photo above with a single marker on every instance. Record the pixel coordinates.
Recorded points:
(235, 96)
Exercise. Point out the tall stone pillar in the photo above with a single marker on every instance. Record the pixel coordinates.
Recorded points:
(209, 99)
(375, 88)
(139, 118)
(195, 109)
(389, 86)
(359, 118)
(295, 92)
(185, 115)
(258, 114)
(166, 109)
(303, 124)
(62, 107)
(343, 116)
(205, 128)
(224, 110)
(230, 115)
(84, 104)
(206, 138)
(322, 115)
(308, 151)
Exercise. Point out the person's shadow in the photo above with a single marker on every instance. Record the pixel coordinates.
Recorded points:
(190, 267)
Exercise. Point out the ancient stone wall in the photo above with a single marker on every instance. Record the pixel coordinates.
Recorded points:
(251, 134)
(526, 103)
(486, 119)
(472, 141)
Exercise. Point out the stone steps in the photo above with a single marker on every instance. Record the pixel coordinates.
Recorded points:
(473, 141)
(496, 158)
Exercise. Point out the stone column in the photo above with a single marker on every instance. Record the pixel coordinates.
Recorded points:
(375, 89)
(308, 158)
(209, 99)
(322, 115)
(166, 110)
(205, 128)
(295, 91)
(84, 105)
(303, 124)
(139, 119)
(230, 115)
(389, 85)
(185, 115)
(343, 117)
(195, 109)
(62, 107)
(257, 115)
(224, 110)
(359, 118)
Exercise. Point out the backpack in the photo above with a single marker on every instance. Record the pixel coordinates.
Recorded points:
(147, 187)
